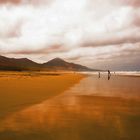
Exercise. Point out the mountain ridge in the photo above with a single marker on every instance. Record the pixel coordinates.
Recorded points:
(21, 64)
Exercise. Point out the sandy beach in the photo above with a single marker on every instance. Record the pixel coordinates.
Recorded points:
(21, 89)
(58, 106)
(69, 69)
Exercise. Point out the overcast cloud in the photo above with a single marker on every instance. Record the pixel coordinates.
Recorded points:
(95, 33)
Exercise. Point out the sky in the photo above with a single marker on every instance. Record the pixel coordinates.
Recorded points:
(102, 34)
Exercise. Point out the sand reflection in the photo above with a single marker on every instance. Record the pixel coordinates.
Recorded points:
(76, 116)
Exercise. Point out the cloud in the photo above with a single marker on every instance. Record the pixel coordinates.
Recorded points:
(134, 3)
(10, 1)
(68, 28)
(32, 2)
(116, 38)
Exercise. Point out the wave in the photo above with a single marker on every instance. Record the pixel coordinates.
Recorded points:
(125, 73)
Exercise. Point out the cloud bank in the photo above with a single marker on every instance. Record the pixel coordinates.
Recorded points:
(82, 30)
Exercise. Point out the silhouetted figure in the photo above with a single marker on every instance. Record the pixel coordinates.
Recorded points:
(109, 74)
(99, 75)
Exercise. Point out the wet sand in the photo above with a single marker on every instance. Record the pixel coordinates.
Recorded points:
(93, 109)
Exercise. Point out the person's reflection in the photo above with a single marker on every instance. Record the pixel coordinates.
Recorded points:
(109, 74)
(99, 75)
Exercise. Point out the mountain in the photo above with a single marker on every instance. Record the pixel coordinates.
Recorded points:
(58, 63)
(17, 64)
(26, 64)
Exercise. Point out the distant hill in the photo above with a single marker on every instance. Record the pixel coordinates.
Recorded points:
(22, 64)
(60, 64)
(17, 64)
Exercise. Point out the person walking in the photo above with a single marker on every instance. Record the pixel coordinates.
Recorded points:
(109, 74)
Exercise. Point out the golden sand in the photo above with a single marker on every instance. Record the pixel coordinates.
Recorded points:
(21, 89)
(93, 108)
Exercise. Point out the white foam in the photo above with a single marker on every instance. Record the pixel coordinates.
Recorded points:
(128, 73)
